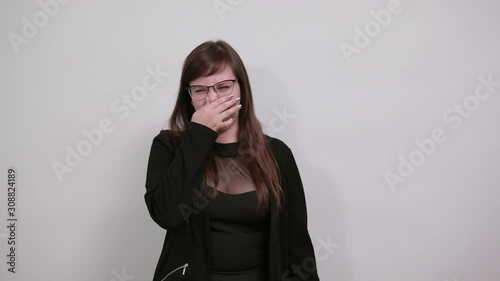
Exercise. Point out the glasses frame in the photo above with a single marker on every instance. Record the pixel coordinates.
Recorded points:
(188, 88)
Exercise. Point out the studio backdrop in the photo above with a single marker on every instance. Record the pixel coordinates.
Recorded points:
(391, 108)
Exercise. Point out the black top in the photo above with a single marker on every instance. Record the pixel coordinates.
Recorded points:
(239, 236)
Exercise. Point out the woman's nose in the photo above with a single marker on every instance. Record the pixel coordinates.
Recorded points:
(212, 95)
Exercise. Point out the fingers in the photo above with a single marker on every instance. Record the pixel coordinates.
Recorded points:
(225, 105)
(229, 116)
(216, 103)
(227, 123)
(233, 109)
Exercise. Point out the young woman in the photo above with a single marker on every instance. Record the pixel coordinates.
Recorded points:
(230, 197)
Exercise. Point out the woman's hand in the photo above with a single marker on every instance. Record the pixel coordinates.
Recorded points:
(218, 115)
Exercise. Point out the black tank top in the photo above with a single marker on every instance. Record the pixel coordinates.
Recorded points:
(239, 235)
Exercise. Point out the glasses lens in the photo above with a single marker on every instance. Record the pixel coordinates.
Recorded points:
(224, 88)
(198, 92)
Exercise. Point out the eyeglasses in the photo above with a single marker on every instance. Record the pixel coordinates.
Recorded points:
(222, 88)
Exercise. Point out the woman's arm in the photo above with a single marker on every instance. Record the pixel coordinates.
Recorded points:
(171, 171)
(301, 257)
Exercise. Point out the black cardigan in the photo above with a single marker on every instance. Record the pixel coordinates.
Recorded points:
(174, 174)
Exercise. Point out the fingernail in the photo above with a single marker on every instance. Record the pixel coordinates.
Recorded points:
(237, 99)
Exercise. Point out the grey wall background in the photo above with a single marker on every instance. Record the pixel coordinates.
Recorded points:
(360, 99)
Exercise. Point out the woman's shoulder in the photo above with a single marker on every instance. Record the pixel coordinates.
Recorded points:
(166, 138)
(280, 148)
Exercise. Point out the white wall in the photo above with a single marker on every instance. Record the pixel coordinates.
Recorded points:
(354, 115)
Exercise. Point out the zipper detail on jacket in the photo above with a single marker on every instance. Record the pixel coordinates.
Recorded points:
(183, 271)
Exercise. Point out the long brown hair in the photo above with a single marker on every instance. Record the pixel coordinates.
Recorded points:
(254, 150)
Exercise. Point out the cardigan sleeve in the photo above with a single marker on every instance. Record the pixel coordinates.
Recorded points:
(301, 256)
(171, 172)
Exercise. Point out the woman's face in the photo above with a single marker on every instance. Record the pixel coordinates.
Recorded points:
(225, 73)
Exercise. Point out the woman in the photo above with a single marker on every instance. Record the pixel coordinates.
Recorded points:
(229, 196)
